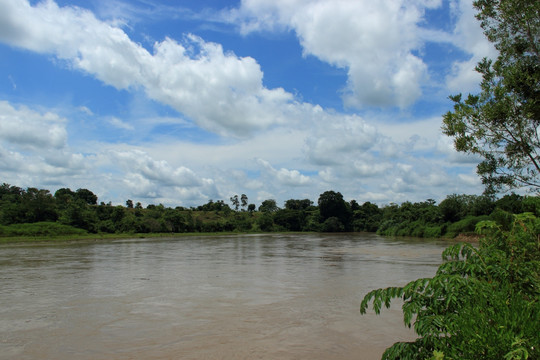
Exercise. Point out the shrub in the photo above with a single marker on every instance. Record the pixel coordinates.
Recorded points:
(503, 218)
(464, 226)
(483, 303)
(432, 231)
(332, 224)
(265, 222)
(40, 229)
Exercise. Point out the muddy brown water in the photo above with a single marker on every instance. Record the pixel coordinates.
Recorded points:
(226, 297)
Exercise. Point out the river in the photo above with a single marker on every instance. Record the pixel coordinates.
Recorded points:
(279, 296)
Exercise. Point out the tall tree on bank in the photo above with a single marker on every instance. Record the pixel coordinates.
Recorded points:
(501, 123)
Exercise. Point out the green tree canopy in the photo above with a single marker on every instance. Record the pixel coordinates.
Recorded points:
(269, 206)
(501, 123)
(331, 204)
(293, 204)
(87, 196)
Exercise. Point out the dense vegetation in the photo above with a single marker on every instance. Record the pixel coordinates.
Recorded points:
(37, 212)
(483, 303)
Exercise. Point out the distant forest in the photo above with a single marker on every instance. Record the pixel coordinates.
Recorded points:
(37, 212)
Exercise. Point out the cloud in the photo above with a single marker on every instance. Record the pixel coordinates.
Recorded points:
(284, 176)
(26, 128)
(154, 181)
(366, 157)
(12, 82)
(34, 148)
(116, 122)
(220, 91)
(469, 37)
(85, 110)
(375, 41)
(160, 172)
(338, 138)
(445, 145)
(370, 168)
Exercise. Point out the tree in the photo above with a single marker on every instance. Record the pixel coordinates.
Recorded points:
(79, 214)
(291, 220)
(235, 202)
(501, 123)
(367, 217)
(265, 222)
(129, 204)
(331, 204)
(269, 206)
(63, 196)
(293, 204)
(512, 203)
(244, 200)
(38, 205)
(332, 224)
(87, 196)
(354, 205)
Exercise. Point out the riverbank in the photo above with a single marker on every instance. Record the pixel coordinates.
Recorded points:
(469, 238)
(100, 237)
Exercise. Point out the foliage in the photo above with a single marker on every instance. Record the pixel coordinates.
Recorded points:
(464, 226)
(39, 229)
(331, 204)
(290, 220)
(512, 203)
(333, 224)
(366, 217)
(456, 207)
(532, 204)
(483, 303)
(79, 209)
(268, 206)
(423, 219)
(500, 124)
(294, 204)
(87, 196)
(265, 222)
(235, 202)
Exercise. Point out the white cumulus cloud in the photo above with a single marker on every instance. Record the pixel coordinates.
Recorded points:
(158, 171)
(374, 40)
(218, 90)
(284, 176)
(24, 127)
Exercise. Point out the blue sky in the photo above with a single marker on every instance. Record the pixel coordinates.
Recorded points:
(180, 102)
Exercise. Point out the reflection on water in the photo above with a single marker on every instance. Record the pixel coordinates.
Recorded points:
(228, 297)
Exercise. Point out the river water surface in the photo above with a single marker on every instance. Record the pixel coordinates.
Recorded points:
(225, 297)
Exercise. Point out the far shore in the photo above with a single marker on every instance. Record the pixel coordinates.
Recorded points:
(470, 238)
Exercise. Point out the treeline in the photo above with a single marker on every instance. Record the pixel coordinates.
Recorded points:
(37, 212)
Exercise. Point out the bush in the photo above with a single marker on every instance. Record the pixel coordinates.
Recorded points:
(40, 229)
(483, 302)
(532, 204)
(432, 231)
(418, 231)
(464, 226)
(503, 218)
(333, 224)
(265, 222)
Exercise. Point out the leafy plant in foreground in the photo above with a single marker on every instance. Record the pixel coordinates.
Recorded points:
(483, 302)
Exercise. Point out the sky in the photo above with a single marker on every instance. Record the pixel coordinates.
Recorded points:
(179, 102)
